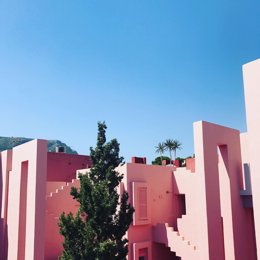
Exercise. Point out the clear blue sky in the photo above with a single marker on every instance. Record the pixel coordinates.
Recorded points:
(148, 68)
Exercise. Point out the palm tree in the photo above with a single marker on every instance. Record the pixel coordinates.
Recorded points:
(169, 144)
(160, 148)
(176, 146)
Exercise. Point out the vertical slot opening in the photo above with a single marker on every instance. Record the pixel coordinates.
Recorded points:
(22, 210)
(182, 204)
(143, 254)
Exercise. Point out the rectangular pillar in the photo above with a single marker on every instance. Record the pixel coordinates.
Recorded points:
(251, 74)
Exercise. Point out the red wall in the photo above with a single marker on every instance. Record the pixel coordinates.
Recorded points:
(63, 166)
(190, 164)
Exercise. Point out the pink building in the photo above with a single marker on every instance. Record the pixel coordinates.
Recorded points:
(209, 210)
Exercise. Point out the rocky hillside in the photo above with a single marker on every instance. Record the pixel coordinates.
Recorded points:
(10, 142)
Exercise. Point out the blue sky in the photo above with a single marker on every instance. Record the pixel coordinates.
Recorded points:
(148, 68)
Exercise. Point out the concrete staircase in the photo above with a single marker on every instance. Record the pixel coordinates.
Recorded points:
(164, 234)
(57, 202)
(61, 201)
(177, 241)
(183, 179)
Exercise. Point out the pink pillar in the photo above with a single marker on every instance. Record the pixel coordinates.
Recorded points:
(26, 202)
(208, 215)
(22, 211)
(251, 73)
(5, 168)
(227, 235)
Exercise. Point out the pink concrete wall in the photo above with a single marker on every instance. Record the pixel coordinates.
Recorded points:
(221, 206)
(56, 203)
(244, 148)
(52, 186)
(162, 252)
(176, 163)
(164, 205)
(186, 183)
(162, 195)
(32, 173)
(251, 74)
(5, 168)
(27, 225)
(245, 159)
(190, 164)
(63, 167)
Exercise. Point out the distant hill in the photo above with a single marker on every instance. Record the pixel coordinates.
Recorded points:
(10, 142)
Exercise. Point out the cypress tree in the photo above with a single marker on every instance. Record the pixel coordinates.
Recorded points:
(97, 231)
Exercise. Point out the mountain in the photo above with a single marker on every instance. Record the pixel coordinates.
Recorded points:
(10, 142)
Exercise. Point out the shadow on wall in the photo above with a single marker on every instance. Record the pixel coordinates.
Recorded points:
(160, 251)
(162, 235)
(5, 244)
(3, 229)
(180, 201)
(1, 219)
(3, 226)
(1, 191)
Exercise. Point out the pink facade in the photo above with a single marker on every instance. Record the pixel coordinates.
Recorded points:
(208, 210)
(28, 222)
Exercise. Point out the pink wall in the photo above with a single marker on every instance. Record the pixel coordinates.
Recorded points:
(162, 252)
(5, 168)
(163, 207)
(164, 204)
(63, 167)
(27, 172)
(190, 164)
(215, 216)
(251, 73)
(56, 203)
(26, 210)
(222, 175)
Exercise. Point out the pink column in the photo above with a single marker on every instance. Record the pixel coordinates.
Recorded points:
(251, 73)
(209, 228)
(28, 223)
(5, 168)
(222, 172)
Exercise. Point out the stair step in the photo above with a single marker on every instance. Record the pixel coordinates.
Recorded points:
(178, 243)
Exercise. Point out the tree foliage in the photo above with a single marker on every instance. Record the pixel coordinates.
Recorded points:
(169, 144)
(158, 160)
(97, 232)
(176, 146)
(172, 146)
(160, 148)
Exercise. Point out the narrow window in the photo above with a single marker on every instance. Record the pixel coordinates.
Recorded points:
(141, 203)
(142, 197)
(22, 211)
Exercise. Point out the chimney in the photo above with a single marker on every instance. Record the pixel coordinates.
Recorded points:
(60, 149)
(141, 160)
